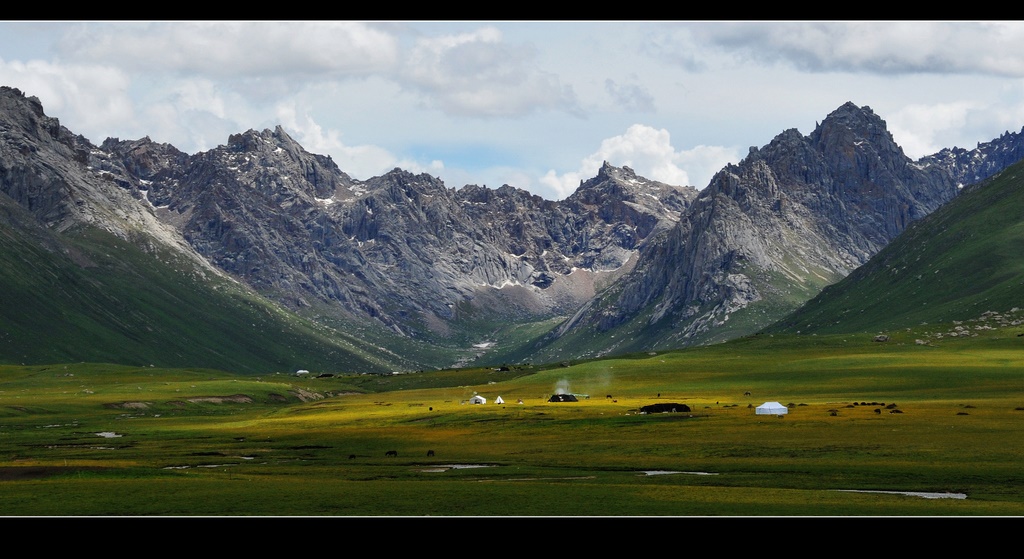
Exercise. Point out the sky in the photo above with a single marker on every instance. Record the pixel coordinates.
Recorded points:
(538, 105)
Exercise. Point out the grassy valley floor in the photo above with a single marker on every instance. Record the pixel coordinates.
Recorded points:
(868, 424)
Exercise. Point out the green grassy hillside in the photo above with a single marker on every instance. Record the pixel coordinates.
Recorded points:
(961, 261)
(89, 296)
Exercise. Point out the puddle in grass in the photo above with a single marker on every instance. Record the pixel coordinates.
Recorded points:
(922, 494)
(446, 467)
(198, 466)
(666, 472)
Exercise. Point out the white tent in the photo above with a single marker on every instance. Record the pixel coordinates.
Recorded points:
(478, 399)
(498, 400)
(771, 408)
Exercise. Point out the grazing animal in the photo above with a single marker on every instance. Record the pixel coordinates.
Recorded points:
(351, 456)
(746, 393)
(430, 453)
(391, 453)
(878, 410)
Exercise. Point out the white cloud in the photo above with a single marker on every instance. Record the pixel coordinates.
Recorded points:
(477, 74)
(359, 162)
(702, 162)
(916, 128)
(630, 97)
(194, 83)
(194, 114)
(96, 101)
(199, 95)
(883, 47)
(923, 129)
(232, 49)
(87, 98)
(649, 152)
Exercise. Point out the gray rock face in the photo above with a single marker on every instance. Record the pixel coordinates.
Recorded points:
(664, 265)
(40, 164)
(987, 159)
(63, 180)
(792, 217)
(399, 249)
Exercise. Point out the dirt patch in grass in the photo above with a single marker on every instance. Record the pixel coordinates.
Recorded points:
(127, 405)
(234, 399)
(306, 395)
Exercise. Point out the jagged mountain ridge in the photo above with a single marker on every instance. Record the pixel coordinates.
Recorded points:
(401, 249)
(89, 272)
(987, 159)
(766, 234)
(636, 263)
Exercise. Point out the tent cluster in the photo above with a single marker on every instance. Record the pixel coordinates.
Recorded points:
(478, 399)
(767, 408)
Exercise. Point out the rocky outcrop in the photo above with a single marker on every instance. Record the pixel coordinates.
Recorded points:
(771, 231)
(986, 160)
(402, 250)
(63, 181)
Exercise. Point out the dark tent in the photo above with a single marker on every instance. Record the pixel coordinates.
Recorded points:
(665, 408)
(562, 398)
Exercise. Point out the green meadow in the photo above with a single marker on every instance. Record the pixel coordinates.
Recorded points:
(868, 424)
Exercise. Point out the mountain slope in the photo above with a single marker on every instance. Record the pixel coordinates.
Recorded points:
(963, 260)
(258, 255)
(763, 237)
(430, 269)
(399, 263)
(98, 298)
(90, 273)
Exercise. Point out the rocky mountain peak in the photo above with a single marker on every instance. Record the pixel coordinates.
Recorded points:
(795, 215)
(143, 158)
(851, 116)
(850, 124)
(25, 114)
(264, 141)
(13, 99)
(12, 96)
(404, 185)
(611, 172)
(620, 184)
